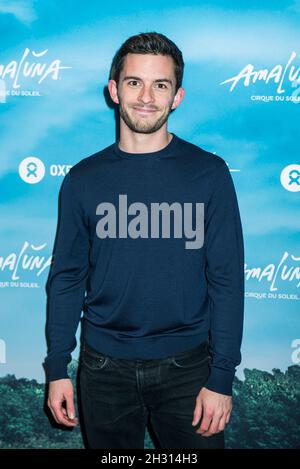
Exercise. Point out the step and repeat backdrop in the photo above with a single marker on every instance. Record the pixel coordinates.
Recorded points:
(242, 102)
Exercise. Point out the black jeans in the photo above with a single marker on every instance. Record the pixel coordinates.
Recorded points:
(119, 397)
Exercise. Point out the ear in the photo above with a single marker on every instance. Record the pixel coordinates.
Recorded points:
(113, 91)
(178, 98)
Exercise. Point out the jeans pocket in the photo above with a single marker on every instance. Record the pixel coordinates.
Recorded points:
(94, 361)
(189, 361)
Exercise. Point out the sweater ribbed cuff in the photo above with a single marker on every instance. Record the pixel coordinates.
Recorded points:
(56, 369)
(220, 381)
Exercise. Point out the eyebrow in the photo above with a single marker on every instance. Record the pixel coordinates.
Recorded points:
(155, 81)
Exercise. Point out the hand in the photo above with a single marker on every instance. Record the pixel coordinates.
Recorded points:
(216, 409)
(61, 390)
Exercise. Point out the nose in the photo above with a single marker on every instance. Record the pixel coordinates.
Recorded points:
(146, 95)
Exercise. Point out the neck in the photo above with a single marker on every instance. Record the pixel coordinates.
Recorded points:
(134, 142)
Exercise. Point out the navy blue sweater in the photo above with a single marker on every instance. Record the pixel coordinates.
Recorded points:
(150, 249)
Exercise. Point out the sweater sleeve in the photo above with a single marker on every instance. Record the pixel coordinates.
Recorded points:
(223, 239)
(66, 283)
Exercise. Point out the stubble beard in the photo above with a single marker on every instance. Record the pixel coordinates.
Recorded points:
(143, 126)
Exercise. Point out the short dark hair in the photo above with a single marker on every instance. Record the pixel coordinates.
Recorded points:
(148, 43)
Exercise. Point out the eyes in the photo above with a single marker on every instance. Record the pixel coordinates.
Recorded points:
(159, 85)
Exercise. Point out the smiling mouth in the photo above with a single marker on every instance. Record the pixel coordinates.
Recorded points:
(143, 110)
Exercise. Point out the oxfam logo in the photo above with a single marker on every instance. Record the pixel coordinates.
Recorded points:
(32, 170)
(290, 177)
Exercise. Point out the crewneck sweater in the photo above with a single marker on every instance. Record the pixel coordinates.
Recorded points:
(149, 257)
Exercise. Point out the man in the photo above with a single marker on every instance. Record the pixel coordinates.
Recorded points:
(150, 248)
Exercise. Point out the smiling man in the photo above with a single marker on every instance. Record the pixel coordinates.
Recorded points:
(162, 323)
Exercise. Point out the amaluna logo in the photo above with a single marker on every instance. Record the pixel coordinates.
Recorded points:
(138, 226)
(278, 74)
(29, 67)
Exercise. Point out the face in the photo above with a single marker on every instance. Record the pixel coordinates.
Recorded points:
(146, 91)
